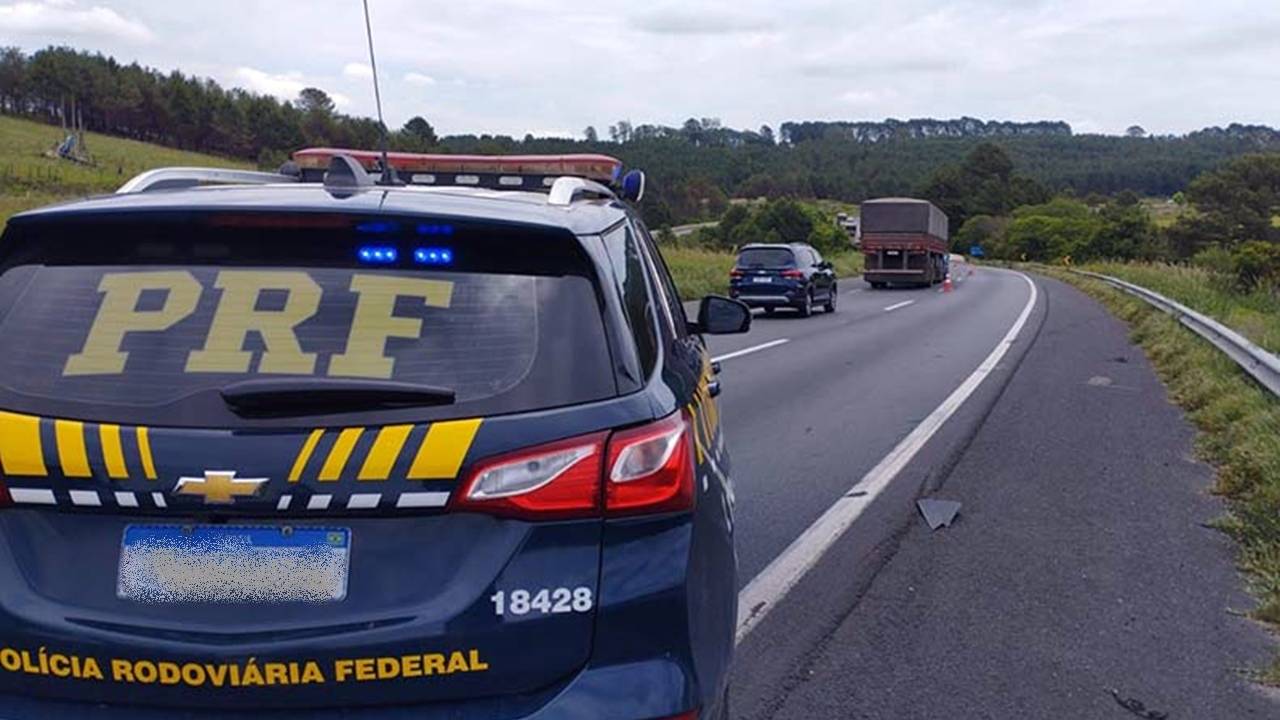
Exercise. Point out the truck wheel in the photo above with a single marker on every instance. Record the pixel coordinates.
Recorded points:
(830, 306)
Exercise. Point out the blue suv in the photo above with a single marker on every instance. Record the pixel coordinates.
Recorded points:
(314, 445)
(795, 276)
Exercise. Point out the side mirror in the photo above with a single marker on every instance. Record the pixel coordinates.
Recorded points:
(718, 315)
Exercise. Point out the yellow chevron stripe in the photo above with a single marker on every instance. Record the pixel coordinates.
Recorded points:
(340, 453)
(113, 452)
(21, 453)
(304, 456)
(443, 450)
(72, 455)
(386, 450)
(144, 451)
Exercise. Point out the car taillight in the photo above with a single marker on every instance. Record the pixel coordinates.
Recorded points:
(557, 481)
(651, 468)
(735, 273)
(796, 274)
(644, 470)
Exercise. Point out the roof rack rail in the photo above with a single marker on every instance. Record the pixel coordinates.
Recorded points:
(171, 178)
(566, 190)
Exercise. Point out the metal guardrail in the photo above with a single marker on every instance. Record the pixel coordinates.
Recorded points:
(1262, 365)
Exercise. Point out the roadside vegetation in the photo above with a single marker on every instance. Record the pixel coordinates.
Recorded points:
(28, 178)
(701, 260)
(1238, 419)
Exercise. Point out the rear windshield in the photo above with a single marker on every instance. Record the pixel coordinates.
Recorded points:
(766, 258)
(146, 322)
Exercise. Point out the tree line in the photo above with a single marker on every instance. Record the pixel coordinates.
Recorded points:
(1227, 220)
(694, 168)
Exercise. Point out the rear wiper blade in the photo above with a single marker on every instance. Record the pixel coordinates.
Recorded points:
(318, 396)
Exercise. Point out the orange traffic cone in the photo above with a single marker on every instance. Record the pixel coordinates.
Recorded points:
(946, 284)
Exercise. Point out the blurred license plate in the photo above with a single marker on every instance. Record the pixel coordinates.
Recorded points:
(762, 279)
(229, 564)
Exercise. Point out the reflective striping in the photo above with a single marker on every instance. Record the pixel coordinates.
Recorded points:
(32, 496)
(285, 502)
(422, 500)
(158, 499)
(21, 452)
(72, 455)
(112, 452)
(126, 499)
(304, 456)
(340, 453)
(386, 450)
(144, 452)
(364, 501)
(319, 502)
(86, 498)
(443, 450)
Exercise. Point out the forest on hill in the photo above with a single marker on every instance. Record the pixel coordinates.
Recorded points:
(694, 168)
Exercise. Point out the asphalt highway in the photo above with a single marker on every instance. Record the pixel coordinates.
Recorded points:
(1079, 564)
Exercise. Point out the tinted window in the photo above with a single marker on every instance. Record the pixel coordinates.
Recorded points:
(629, 274)
(666, 286)
(153, 341)
(766, 258)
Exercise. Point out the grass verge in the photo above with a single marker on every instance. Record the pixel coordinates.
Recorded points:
(1255, 315)
(698, 272)
(28, 179)
(1239, 424)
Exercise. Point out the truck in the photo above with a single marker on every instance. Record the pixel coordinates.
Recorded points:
(904, 241)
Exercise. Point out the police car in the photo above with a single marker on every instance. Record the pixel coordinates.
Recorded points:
(314, 444)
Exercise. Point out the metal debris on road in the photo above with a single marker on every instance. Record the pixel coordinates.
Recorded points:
(938, 513)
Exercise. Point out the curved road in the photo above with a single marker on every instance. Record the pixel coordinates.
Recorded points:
(1080, 579)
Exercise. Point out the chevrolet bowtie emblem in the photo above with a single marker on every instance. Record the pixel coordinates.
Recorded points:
(220, 487)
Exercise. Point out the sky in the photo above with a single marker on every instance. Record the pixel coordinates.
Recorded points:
(553, 68)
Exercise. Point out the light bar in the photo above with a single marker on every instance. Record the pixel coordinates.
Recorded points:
(600, 168)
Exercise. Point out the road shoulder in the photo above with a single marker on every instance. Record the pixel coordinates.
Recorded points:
(1081, 562)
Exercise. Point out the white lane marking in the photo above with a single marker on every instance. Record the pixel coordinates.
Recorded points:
(768, 588)
(903, 304)
(754, 349)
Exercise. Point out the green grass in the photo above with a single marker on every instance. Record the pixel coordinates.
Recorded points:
(1239, 421)
(699, 272)
(28, 179)
(1255, 315)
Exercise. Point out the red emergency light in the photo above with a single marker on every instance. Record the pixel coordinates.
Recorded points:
(600, 168)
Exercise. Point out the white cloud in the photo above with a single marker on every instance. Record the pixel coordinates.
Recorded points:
(57, 19)
(357, 71)
(285, 86)
(417, 78)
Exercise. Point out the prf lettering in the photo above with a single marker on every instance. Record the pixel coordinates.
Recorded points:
(237, 315)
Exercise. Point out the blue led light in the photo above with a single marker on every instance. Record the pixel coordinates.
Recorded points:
(376, 228)
(432, 229)
(433, 256)
(378, 255)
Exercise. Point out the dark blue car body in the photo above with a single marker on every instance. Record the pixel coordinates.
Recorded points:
(638, 604)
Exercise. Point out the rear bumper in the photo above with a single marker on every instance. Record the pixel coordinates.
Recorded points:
(791, 296)
(635, 691)
(890, 276)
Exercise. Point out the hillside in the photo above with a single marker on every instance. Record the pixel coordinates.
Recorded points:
(28, 179)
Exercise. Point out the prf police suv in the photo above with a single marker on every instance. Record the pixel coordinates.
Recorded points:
(316, 445)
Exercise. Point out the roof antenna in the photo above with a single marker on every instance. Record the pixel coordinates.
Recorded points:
(388, 173)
